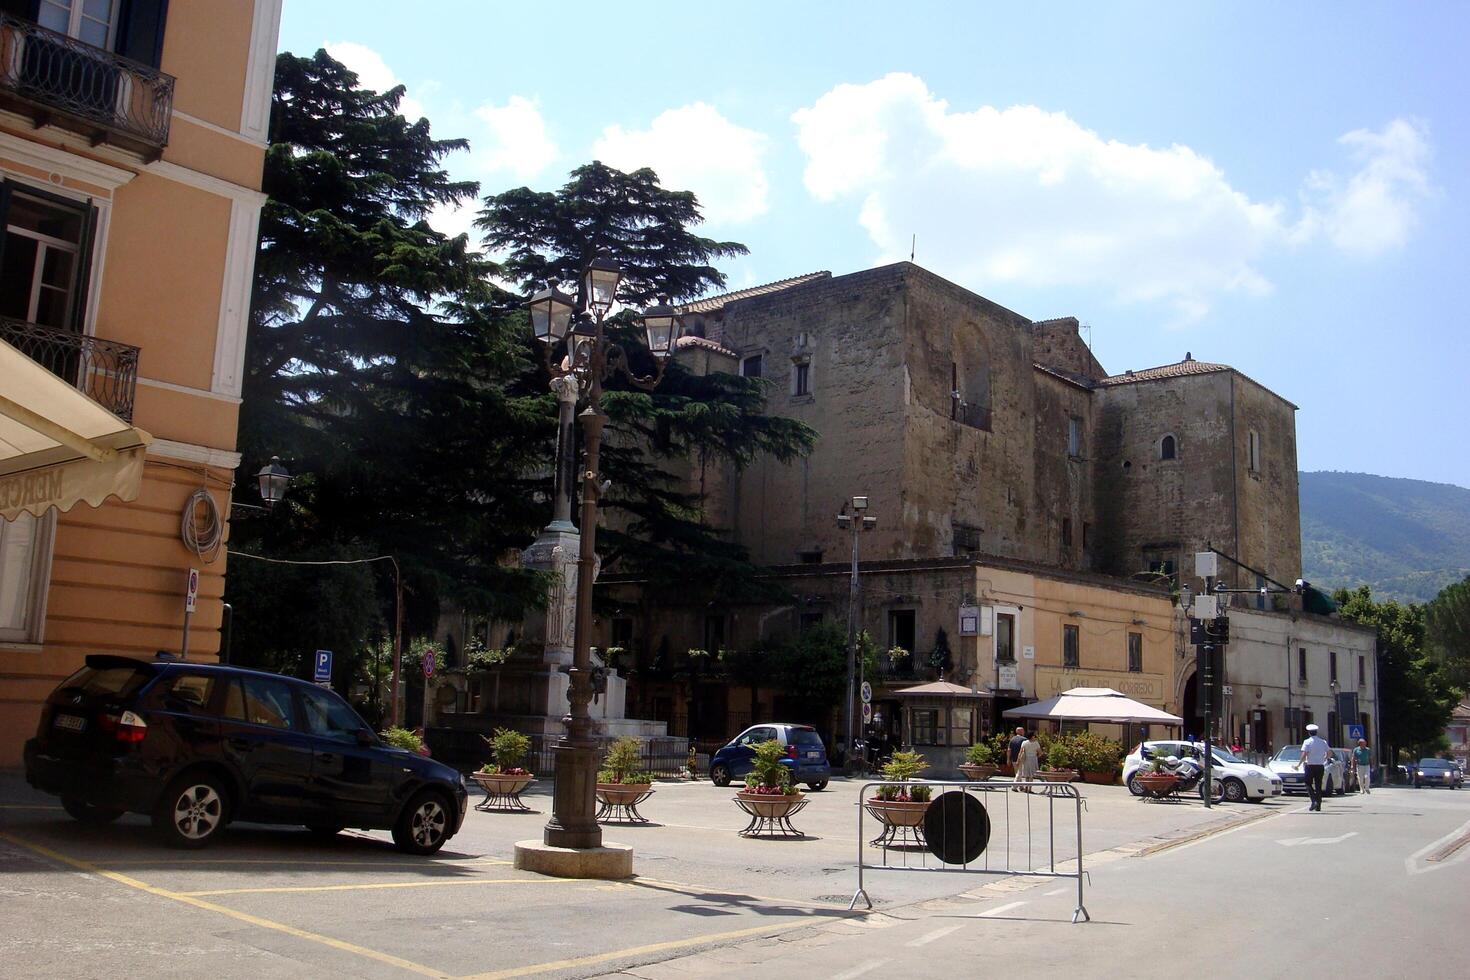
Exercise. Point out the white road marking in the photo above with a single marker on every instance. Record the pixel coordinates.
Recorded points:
(928, 938)
(1299, 841)
(1000, 908)
(858, 971)
(1054, 891)
(1412, 863)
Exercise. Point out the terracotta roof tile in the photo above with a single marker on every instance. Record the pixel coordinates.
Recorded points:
(704, 344)
(1179, 369)
(1080, 382)
(713, 304)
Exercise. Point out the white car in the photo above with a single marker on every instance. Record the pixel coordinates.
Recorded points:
(1240, 780)
(1284, 764)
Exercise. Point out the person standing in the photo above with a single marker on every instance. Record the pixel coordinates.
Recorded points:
(1315, 755)
(1028, 759)
(1013, 748)
(1363, 763)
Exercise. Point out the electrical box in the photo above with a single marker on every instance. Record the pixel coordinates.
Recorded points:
(1206, 564)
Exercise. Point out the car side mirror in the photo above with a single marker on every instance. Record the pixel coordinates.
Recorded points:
(366, 738)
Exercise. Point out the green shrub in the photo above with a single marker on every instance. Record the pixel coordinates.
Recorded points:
(620, 765)
(920, 793)
(768, 769)
(402, 738)
(904, 766)
(1096, 753)
(1058, 753)
(508, 749)
(980, 754)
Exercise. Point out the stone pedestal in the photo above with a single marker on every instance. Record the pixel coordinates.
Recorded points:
(612, 861)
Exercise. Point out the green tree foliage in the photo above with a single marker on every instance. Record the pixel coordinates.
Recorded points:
(1415, 694)
(1447, 631)
(652, 437)
(381, 373)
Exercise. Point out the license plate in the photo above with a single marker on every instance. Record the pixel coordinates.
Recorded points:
(71, 723)
(814, 755)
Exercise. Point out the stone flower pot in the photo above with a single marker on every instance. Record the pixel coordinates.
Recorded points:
(1058, 775)
(1103, 777)
(1156, 783)
(503, 784)
(619, 794)
(975, 772)
(896, 813)
(769, 805)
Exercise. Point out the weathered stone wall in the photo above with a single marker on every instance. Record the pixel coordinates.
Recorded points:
(1148, 507)
(1058, 345)
(1063, 488)
(1270, 535)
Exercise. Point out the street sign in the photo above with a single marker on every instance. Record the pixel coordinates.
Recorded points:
(429, 663)
(323, 666)
(867, 713)
(867, 692)
(191, 590)
(1356, 732)
(969, 620)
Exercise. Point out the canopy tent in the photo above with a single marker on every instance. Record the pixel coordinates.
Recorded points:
(57, 446)
(1101, 704)
(957, 726)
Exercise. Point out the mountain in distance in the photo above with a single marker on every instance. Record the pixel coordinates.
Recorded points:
(1407, 539)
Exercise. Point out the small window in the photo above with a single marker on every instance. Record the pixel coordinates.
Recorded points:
(812, 556)
(1135, 652)
(966, 539)
(1362, 671)
(260, 701)
(1071, 646)
(752, 366)
(901, 629)
(801, 378)
(1005, 638)
(1074, 437)
(1301, 664)
(25, 553)
(809, 620)
(1167, 448)
(1332, 665)
(961, 723)
(1086, 535)
(714, 634)
(1254, 451)
(926, 726)
(1066, 532)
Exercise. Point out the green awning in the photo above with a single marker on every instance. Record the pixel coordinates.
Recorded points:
(1314, 600)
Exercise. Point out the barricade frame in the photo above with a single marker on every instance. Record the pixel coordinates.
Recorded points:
(1030, 789)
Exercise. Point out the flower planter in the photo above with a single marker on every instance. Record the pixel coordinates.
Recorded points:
(767, 805)
(1156, 784)
(502, 790)
(976, 773)
(621, 794)
(1106, 777)
(897, 813)
(1058, 775)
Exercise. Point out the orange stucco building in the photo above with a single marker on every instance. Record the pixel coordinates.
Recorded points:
(132, 139)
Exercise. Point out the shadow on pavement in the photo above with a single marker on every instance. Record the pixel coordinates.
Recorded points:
(732, 903)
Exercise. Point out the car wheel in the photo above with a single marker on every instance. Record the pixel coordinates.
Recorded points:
(89, 813)
(192, 811)
(1133, 787)
(719, 774)
(1234, 791)
(324, 829)
(423, 826)
(818, 786)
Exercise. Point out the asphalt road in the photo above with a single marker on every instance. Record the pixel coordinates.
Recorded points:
(275, 902)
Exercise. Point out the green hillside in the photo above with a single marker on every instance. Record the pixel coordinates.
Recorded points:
(1406, 538)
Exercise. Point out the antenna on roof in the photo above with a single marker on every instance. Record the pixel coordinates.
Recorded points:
(913, 246)
(1088, 328)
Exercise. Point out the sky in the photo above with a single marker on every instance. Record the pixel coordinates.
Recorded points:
(1280, 187)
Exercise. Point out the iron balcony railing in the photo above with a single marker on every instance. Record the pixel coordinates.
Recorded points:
(103, 369)
(59, 80)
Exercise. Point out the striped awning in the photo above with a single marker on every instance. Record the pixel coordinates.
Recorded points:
(59, 447)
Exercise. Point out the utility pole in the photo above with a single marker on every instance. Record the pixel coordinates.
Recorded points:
(857, 522)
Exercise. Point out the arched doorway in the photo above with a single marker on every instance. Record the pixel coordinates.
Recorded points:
(1194, 722)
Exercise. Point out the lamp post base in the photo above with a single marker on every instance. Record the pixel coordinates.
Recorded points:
(610, 861)
(573, 822)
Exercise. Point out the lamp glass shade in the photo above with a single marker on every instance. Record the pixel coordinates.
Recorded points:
(661, 324)
(602, 283)
(273, 479)
(551, 312)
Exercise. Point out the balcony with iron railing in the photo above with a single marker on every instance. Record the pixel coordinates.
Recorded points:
(104, 370)
(60, 81)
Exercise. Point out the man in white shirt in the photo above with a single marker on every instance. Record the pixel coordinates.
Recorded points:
(1315, 755)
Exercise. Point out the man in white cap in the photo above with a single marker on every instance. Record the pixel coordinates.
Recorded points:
(1315, 755)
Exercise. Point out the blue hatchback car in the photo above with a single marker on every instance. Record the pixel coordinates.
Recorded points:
(805, 754)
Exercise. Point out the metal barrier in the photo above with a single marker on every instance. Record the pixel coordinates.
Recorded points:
(998, 817)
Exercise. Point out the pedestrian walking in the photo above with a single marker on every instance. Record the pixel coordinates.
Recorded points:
(1013, 748)
(1363, 763)
(1028, 759)
(1315, 755)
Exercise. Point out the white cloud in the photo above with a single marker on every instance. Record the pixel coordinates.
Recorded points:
(518, 140)
(695, 148)
(373, 73)
(1376, 208)
(1031, 197)
(456, 219)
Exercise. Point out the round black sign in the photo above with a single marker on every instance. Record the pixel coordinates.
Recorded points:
(956, 827)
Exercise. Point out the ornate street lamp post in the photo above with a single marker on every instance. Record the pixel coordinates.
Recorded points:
(857, 522)
(590, 359)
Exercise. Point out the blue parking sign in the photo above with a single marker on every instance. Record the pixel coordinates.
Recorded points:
(323, 666)
(1356, 732)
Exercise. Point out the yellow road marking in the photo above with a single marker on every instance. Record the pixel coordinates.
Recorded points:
(286, 889)
(695, 890)
(245, 917)
(523, 971)
(287, 862)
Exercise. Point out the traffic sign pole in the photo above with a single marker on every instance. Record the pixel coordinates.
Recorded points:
(191, 591)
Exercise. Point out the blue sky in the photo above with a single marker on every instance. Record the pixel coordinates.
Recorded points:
(1279, 187)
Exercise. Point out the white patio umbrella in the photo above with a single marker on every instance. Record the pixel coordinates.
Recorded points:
(1102, 704)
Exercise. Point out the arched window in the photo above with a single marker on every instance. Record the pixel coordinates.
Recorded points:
(1167, 448)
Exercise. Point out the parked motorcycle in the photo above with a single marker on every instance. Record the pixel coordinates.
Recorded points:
(1189, 775)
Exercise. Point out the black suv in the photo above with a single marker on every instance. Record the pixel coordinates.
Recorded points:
(197, 745)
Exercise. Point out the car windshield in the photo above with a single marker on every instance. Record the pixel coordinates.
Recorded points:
(1290, 753)
(119, 681)
(1225, 755)
(1433, 764)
